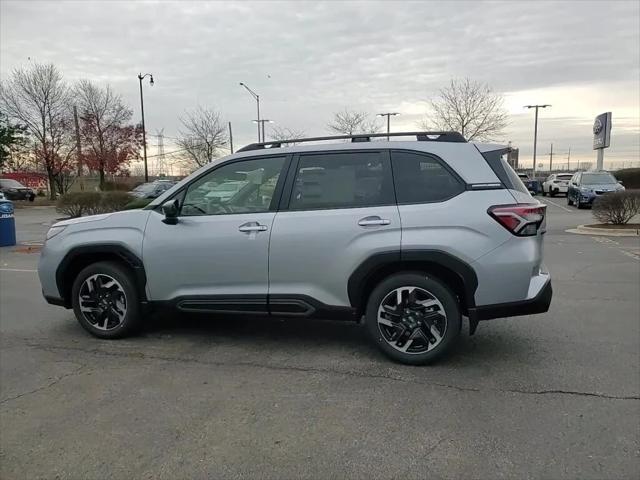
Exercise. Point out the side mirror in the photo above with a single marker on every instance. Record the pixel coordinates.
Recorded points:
(171, 210)
(620, 182)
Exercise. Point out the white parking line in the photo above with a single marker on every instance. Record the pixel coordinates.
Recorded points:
(559, 206)
(17, 270)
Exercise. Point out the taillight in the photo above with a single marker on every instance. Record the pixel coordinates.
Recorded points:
(523, 220)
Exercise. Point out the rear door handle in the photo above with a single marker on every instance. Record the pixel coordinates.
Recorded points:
(252, 227)
(373, 220)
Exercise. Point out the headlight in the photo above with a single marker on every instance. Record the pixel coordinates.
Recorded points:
(53, 231)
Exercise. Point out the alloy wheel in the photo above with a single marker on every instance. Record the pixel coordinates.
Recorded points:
(412, 320)
(103, 302)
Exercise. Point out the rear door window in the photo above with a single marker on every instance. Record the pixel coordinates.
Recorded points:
(342, 180)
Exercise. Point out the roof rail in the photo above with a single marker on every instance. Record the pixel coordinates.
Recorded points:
(453, 137)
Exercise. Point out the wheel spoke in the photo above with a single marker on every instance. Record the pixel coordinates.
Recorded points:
(393, 311)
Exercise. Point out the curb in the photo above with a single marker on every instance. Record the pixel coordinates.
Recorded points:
(608, 232)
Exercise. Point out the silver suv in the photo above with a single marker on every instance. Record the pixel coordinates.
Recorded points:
(406, 235)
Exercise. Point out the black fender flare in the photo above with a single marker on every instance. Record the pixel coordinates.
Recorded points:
(408, 260)
(100, 251)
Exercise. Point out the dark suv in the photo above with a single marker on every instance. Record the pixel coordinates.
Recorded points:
(14, 190)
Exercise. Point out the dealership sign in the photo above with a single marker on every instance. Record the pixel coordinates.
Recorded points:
(602, 131)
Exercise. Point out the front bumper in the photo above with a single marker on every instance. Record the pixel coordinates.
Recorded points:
(538, 304)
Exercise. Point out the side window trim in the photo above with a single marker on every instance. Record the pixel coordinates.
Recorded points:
(276, 193)
(285, 201)
(464, 186)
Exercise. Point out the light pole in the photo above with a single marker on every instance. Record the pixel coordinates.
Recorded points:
(257, 97)
(535, 134)
(144, 134)
(388, 115)
(261, 125)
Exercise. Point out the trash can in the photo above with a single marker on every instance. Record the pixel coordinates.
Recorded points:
(7, 224)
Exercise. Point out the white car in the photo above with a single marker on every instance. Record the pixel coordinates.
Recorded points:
(556, 183)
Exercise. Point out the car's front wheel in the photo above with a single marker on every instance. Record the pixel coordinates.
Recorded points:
(105, 300)
(413, 318)
(569, 201)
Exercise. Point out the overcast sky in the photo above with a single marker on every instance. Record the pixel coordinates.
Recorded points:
(310, 59)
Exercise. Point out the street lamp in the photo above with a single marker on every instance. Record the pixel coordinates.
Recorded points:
(257, 97)
(261, 125)
(144, 134)
(535, 134)
(388, 115)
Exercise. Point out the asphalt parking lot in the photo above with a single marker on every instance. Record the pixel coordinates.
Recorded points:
(548, 396)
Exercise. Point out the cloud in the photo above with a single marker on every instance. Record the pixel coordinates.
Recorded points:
(309, 59)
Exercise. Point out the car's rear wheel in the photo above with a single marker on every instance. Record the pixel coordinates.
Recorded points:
(413, 318)
(105, 300)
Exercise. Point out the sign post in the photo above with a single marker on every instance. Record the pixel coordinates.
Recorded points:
(601, 136)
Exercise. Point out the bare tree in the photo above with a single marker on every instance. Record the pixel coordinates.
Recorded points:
(103, 115)
(472, 108)
(283, 133)
(202, 135)
(38, 98)
(350, 122)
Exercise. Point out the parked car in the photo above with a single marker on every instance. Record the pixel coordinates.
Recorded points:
(585, 187)
(407, 235)
(152, 189)
(556, 183)
(14, 190)
(224, 191)
(532, 185)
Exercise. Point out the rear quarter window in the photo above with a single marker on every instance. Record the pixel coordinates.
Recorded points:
(508, 177)
(421, 178)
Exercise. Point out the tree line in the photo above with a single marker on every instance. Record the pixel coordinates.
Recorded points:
(62, 130)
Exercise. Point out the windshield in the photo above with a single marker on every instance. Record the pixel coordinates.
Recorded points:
(597, 178)
(10, 183)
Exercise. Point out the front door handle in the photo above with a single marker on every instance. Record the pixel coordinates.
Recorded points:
(252, 227)
(374, 220)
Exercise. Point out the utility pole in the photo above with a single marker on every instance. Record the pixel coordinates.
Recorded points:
(144, 134)
(230, 137)
(568, 157)
(551, 158)
(535, 133)
(388, 115)
(261, 123)
(78, 146)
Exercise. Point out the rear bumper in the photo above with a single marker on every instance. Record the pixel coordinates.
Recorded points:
(538, 304)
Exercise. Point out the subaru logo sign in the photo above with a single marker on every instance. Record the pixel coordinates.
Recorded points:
(6, 208)
(602, 131)
(597, 127)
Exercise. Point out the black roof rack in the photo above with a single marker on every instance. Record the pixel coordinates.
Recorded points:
(453, 137)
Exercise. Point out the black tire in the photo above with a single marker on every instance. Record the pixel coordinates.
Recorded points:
(439, 291)
(132, 318)
(544, 194)
(569, 201)
(579, 204)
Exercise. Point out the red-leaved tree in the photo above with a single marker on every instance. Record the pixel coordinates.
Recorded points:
(119, 146)
(110, 143)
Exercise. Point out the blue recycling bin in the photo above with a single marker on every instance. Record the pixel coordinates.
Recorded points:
(7, 224)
